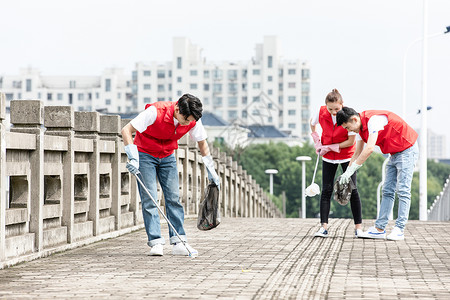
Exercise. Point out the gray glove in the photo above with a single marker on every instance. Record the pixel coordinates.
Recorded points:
(133, 155)
(212, 175)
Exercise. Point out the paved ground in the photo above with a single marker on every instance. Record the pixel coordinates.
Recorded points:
(247, 259)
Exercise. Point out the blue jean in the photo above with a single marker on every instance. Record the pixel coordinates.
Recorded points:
(166, 170)
(399, 174)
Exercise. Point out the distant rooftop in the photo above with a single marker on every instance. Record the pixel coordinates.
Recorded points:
(265, 131)
(210, 119)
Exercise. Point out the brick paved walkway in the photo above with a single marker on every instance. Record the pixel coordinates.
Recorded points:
(245, 259)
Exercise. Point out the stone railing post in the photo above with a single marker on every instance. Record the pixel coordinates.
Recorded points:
(59, 121)
(194, 158)
(27, 116)
(132, 185)
(110, 130)
(2, 176)
(87, 126)
(223, 181)
(229, 175)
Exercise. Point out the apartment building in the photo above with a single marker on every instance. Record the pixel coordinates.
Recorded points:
(264, 90)
(110, 91)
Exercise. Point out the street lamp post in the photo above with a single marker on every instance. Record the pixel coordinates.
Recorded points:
(303, 159)
(271, 172)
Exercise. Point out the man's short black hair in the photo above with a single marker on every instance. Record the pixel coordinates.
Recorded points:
(344, 115)
(190, 105)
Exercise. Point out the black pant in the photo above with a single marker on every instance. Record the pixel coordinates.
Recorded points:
(328, 174)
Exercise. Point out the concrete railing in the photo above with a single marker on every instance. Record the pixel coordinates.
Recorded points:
(440, 209)
(64, 182)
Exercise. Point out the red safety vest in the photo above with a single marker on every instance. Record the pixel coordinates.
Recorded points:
(396, 136)
(333, 134)
(161, 138)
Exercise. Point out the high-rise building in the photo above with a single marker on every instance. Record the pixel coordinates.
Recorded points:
(265, 90)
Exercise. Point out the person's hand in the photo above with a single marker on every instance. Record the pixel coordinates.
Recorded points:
(212, 175)
(317, 143)
(133, 157)
(345, 178)
(324, 149)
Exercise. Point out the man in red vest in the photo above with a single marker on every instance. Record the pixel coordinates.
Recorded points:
(158, 129)
(395, 137)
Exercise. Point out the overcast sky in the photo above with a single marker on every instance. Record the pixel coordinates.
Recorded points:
(356, 46)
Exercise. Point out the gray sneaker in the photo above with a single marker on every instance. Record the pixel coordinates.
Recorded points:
(322, 233)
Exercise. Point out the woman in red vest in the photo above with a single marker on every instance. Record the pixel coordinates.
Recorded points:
(337, 147)
(395, 137)
(158, 129)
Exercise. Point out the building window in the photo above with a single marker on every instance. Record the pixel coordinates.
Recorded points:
(291, 98)
(170, 73)
(179, 63)
(217, 88)
(80, 97)
(270, 92)
(269, 119)
(291, 71)
(280, 86)
(305, 87)
(147, 73)
(291, 125)
(160, 87)
(147, 100)
(256, 99)
(244, 114)
(39, 96)
(244, 73)
(108, 85)
(179, 79)
(269, 78)
(49, 96)
(269, 62)
(244, 100)
(72, 84)
(291, 112)
(232, 74)
(28, 85)
(255, 112)
(206, 73)
(161, 74)
(193, 86)
(244, 87)
(256, 85)
(206, 101)
(280, 73)
(305, 100)
(217, 74)
(170, 86)
(179, 93)
(118, 95)
(305, 73)
(108, 101)
(193, 72)
(147, 86)
(217, 101)
(305, 114)
(232, 88)
(256, 72)
(291, 85)
(160, 99)
(206, 87)
(232, 114)
(280, 100)
(97, 95)
(232, 101)
(269, 105)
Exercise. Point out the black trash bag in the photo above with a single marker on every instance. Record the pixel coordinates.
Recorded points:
(209, 214)
(343, 192)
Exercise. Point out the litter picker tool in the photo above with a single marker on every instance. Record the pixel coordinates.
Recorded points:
(162, 213)
(313, 189)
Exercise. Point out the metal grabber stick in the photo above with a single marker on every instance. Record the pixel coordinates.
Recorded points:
(162, 213)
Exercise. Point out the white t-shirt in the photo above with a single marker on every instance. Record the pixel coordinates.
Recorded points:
(314, 122)
(375, 124)
(148, 117)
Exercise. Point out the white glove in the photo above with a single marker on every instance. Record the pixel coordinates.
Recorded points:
(345, 178)
(212, 175)
(133, 155)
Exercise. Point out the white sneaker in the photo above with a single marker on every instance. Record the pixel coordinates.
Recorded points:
(180, 249)
(157, 250)
(358, 233)
(396, 234)
(373, 233)
(322, 232)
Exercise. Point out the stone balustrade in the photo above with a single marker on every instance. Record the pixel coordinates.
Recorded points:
(64, 182)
